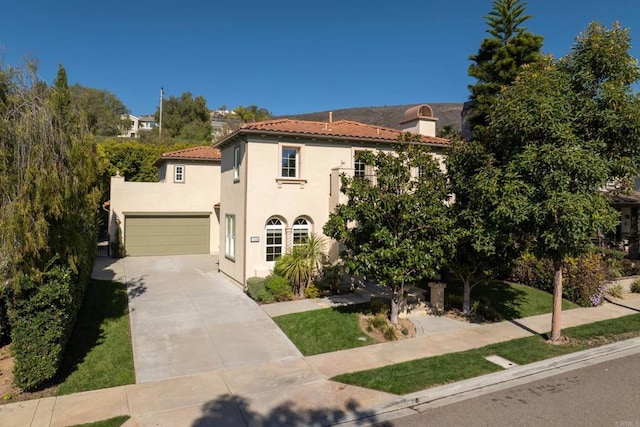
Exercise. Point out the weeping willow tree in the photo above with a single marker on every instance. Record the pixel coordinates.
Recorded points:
(48, 205)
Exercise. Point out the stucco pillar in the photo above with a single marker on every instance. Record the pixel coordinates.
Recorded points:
(437, 296)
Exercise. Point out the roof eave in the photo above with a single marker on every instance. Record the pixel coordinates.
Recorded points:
(235, 134)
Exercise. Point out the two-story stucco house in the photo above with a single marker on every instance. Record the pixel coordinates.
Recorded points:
(280, 181)
(253, 195)
(178, 214)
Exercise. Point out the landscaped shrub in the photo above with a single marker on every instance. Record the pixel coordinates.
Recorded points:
(255, 287)
(279, 288)
(584, 279)
(635, 286)
(616, 291)
(312, 291)
(531, 271)
(332, 279)
(42, 315)
(630, 267)
(5, 329)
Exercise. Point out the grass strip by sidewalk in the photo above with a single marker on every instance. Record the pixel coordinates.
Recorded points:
(99, 354)
(325, 330)
(333, 329)
(420, 374)
(111, 422)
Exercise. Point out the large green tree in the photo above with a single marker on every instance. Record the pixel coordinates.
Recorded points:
(483, 246)
(499, 58)
(101, 109)
(394, 228)
(48, 205)
(186, 118)
(564, 129)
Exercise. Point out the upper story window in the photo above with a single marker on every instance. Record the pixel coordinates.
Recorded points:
(300, 232)
(230, 237)
(422, 171)
(236, 163)
(359, 168)
(290, 162)
(178, 173)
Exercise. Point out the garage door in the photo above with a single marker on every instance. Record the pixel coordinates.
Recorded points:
(166, 235)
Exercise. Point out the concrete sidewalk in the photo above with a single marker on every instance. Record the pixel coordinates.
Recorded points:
(298, 392)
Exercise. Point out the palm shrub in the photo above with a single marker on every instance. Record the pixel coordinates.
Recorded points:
(302, 263)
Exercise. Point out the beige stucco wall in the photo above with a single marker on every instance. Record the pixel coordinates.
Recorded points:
(259, 194)
(199, 193)
(232, 202)
(267, 196)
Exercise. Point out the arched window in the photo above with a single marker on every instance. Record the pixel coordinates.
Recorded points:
(274, 239)
(300, 232)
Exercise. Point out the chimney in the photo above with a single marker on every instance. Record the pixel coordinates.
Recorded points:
(330, 116)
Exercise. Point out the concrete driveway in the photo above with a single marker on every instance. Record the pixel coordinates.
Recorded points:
(186, 318)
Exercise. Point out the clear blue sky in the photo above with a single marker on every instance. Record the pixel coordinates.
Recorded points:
(287, 56)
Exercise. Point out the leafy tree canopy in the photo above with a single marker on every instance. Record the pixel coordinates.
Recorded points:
(102, 110)
(186, 118)
(562, 130)
(250, 114)
(394, 227)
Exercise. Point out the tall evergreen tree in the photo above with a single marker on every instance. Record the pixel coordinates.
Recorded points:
(569, 126)
(499, 58)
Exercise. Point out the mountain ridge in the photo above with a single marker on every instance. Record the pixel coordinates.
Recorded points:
(447, 113)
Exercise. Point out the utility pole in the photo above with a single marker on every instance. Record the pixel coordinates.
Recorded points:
(161, 97)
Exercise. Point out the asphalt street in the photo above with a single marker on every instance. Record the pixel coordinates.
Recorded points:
(604, 394)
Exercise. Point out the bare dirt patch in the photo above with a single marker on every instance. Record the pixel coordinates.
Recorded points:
(405, 329)
(9, 393)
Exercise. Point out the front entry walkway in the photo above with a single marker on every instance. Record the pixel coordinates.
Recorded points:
(186, 319)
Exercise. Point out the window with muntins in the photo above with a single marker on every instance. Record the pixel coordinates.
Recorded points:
(236, 163)
(274, 239)
(359, 168)
(178, 173)
(289, 166)
(230, 236)
(300, 232)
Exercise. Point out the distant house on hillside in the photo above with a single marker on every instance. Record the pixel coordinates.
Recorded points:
(138, 124)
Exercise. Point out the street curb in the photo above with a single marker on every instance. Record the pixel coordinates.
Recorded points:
(466, 389)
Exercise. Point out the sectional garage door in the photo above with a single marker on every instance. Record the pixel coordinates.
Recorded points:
(166, 234)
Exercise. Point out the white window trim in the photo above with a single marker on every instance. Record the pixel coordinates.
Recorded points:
(236, 163)
(230, 237)
(282, 229)
(298, 179)
(296, 227)
(182, 173)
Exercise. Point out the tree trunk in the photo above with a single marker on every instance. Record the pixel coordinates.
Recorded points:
(466, 299)
(556, 317)
(396, 300)
(395, 307)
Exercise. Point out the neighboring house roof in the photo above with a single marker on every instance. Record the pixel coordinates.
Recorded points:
(621, 199)
(206, 153)
(341, 129)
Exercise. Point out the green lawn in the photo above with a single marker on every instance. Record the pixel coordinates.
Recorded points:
(333, 329)
(325, 330)
(99, 354)
(419, 374)
(508, 300)
(111, 422)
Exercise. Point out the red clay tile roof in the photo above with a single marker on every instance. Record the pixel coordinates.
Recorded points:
(195, 153)
(343, 129)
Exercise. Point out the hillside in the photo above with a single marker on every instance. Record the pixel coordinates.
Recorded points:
(386, 116)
